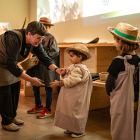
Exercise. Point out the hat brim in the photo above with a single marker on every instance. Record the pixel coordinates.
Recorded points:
(47, 24)
(88, 55)
(111, 30)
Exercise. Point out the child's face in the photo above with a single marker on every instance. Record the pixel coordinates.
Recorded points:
(47, 28)
(74, 58)
(118, 43)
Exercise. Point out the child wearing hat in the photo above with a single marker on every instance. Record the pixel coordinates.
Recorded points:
(50, 46)
(74, 97)
(122, 83)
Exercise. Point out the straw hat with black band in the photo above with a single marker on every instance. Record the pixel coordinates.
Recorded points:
(125, 32)
(46, 21)
(80, 48)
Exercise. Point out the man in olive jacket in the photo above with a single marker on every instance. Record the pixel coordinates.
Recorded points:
(15, 46)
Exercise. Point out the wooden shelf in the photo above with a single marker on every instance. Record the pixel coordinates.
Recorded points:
(65, 45)
(99, 83)
(104, 54)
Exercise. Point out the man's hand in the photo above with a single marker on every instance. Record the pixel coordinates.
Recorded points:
(60, 71)
(54, 84)
(36, 82)
(33, 80)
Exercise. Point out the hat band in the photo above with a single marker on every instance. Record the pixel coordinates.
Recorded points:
(125, 35)
(44, 21)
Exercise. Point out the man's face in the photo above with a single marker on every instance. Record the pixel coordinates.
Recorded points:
(34, 40)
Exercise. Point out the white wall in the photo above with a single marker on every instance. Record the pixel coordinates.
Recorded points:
(33, 10)
(74, 31)
(14, 11)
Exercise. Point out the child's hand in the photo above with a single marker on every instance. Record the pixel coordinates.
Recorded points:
(54, 84)
(63, 72)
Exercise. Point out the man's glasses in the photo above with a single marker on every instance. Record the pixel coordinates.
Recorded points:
(39, 38)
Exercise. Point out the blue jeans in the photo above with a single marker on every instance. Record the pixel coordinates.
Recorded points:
(49, 93)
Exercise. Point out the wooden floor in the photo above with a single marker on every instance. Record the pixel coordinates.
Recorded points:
(98, 124)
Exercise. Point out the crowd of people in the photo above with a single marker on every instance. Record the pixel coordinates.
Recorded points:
(122, 84)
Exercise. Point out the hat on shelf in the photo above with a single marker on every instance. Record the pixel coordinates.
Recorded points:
(80, 48)
(95, 40)
(126, 32)
(46, 21)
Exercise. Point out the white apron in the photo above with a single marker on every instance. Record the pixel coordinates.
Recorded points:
(122, 105)
(73, 105)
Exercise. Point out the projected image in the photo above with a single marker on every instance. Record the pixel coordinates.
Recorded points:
(63, 10)
(106, 11)
(60, 10)
(112, 7)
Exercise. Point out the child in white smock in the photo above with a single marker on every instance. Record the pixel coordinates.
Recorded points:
(74, 97)
(123, 83)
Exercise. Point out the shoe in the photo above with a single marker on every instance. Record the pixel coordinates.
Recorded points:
(11, 127)
(17, 121)
(35, 109)
(76, 135)
(67, 132)
(45, 113)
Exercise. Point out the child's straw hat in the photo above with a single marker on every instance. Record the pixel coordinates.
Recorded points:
(80, 48)
(46, 21)
(126, 32)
